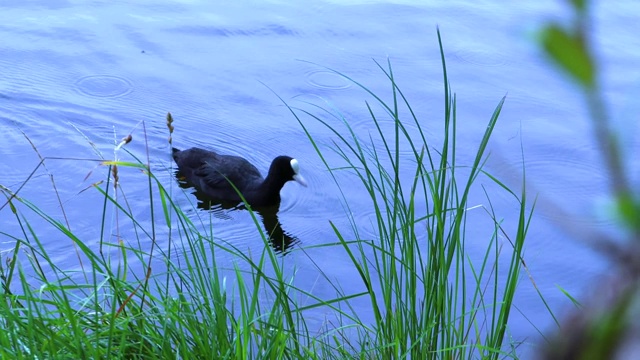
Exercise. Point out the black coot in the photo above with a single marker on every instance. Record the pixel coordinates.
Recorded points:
(212, 173)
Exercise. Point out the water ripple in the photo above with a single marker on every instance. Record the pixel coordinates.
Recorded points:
(482, 57)
(327, 80)
(104, 86)
(265, 30)
(567, 181)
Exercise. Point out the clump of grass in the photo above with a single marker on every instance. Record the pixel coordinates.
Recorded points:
(134, 299)
(429, 300)
(139, 297)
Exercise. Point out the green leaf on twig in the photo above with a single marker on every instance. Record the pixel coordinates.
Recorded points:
(570, 53)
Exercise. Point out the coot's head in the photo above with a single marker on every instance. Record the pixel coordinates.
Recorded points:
(286, 168)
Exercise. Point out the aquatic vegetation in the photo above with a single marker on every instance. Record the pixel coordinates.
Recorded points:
(137, 295)
(429, 299)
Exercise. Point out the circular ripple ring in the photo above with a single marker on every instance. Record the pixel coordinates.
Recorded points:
(105, 86)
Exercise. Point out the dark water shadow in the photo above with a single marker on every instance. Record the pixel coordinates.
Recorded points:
(280, 240)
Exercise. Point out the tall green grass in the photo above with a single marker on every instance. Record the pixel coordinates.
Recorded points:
(139, 296)
(429, 300)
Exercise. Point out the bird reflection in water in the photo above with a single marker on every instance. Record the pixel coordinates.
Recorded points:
(280, 240)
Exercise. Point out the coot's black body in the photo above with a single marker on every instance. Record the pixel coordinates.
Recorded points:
(213, 174)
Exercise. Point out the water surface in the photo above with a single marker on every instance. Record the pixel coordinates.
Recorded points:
(78, 76)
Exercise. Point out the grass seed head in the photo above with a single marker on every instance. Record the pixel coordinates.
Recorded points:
(114, 172)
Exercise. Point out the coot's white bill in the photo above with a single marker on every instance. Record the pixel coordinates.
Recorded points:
(296, 173)
(300, 180)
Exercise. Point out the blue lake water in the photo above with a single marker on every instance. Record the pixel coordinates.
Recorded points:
(78, 76)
